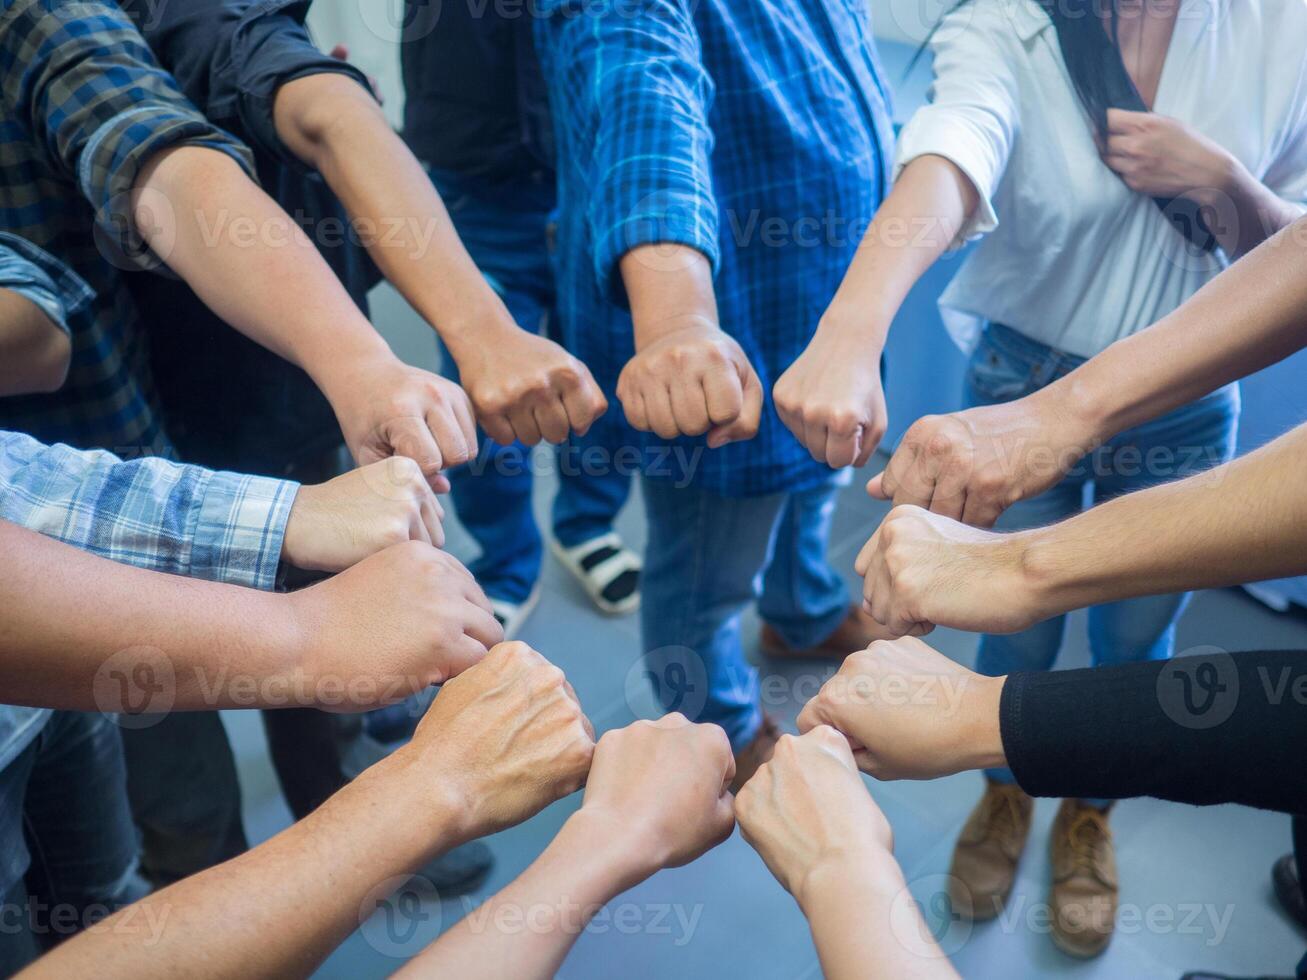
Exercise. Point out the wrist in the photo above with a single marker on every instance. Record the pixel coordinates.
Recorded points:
(848, 875)
(1224, 180)
(1047, 576)
(479, 323)
(421, 822)
(1079, 409)
(649, 330)
(617, 858)
(350, 358)
(866, 329)
(981, 745)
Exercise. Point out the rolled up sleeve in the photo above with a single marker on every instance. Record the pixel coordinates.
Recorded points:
(637, 99)
(972, 116)
(43, 280)
(150, 513)
(83, 82)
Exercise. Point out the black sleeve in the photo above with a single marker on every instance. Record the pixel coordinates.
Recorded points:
(1203, 729)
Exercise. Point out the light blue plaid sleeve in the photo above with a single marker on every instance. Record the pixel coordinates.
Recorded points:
(151, 513)
(637, 98)
(42, 279)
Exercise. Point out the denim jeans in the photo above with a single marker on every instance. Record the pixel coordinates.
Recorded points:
(66, 835)
(506, 228)
(1007, 365)
(705, 561)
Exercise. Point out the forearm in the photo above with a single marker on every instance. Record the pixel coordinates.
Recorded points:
(336, 127)
(1202, 729)
(856, 910)
(1250, 316)
(67, 613)
(527, 929)
(669, 286)
(912, 228)
(284, 906)
(252, 265)
(34, 352)
(1241, 522)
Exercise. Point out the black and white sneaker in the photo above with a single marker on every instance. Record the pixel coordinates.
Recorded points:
(607, 570)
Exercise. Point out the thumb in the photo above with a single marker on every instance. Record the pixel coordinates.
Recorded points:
(876, 486)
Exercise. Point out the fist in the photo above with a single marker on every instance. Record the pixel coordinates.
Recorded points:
(527, 388)
(393, 624)
(831, 399)
(335, 524)
(1163, 157)
(807, 808)
(662, 786)
(921, 570)
(507, 737)
(691, 380)
(909, 712)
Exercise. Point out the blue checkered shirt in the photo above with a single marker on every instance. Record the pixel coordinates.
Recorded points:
(83, 106)
(755, 131)
(146, 512)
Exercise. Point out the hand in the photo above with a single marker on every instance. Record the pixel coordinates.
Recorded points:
(973, 465)
(921, 570)
(1163, 157)
(831, 399)
(525, 387)
(806, 811)
(688, 378)
(335, 524)
(910, 712)
(393, 624)
(390, 409)
(662, 787)
(506, 739)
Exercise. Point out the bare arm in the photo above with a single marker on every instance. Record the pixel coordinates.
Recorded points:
(34, 352)
(831, 397)
(513, 377)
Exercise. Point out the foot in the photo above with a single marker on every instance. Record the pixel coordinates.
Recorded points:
(988, 850)
(459, 871)
(856, 631)
(512, 616)
(1084, 894)
(1288, 889)
(758, 751)
(607, 570)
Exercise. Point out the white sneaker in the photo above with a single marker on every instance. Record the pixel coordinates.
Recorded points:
(607, 570)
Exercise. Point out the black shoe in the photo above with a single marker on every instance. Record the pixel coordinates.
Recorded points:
(462, 870)
(1288, 889)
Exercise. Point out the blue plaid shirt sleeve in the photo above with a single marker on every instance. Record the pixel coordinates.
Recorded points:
(148, 512)
(42, 280)
(81, 80)
(637, 100)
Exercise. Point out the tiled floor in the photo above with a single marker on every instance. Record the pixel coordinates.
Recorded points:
(1195, 882)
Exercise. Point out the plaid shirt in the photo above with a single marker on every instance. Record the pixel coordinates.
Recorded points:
(148, 512)
(83, 106)
(757, 132)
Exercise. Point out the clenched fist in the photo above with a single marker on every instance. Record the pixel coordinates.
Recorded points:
(335, 524)
(506, 738)
(525, 387)
(690, 378)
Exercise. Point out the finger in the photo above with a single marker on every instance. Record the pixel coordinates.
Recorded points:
(882, 592)
(810, 716)
(980, 512)
(745, 425)
(814, 439)
(584, 403)
(551, 420)
(524, 425)
(465, 652)
(473, 593)
(843, 448)
(690, 407)
(948, 500)
(444, 426)
(862, 564)
(417, 529)
(467, 424)
(431, 513)
(634, 408)
(482, 626)
(410, 437)
(724, 396)
(499, 428)
(1122, 121)
(876, 487)
(658, 403)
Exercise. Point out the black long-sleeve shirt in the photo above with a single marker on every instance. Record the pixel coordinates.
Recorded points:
(1203, 729)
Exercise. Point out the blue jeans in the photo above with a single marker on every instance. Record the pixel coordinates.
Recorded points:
(705, 561)
(69, 848)
(506, 228)
(1007, 365)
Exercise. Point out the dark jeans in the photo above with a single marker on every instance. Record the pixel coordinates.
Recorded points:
(63, 802)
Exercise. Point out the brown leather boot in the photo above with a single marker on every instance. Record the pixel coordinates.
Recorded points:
(856, 632)
(753, 755)
(1084, 880)
(986, 856)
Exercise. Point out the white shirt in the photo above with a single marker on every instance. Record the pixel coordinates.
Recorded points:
(1070, 256)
